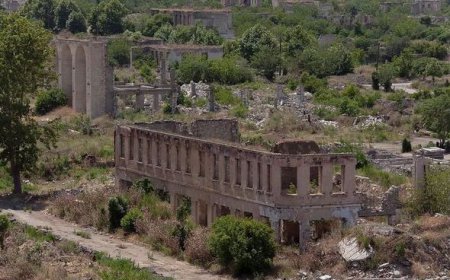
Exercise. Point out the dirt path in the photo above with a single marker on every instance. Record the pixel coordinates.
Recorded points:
(155, 261)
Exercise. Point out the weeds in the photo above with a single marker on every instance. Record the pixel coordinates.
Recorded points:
(83, 234)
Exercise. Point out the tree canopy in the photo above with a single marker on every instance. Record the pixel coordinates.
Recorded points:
(25, 65)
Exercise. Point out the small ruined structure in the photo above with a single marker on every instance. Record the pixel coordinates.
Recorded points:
(241, 3)
(218, 19)
(164, 55)
(84, 74)
(12, 5)
(419, 7)
(295, 193)
(387, 6)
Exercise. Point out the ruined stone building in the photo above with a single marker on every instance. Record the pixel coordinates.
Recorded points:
(419, 7)
(294, 193)
(85, 75)
(164, 55)
(218, 19)
(241, 3)
(12, 5)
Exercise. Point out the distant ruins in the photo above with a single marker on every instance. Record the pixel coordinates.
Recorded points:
(417, 7)
(241, 3)
(218, 19)
(203, 161)
(12, 5)
(85, 75)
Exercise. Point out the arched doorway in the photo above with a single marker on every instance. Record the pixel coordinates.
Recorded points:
(66, 72)
(79, 97)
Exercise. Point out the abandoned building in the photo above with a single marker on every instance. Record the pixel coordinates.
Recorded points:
(419, 7)
(12, 5)
(84, 74)
(294, 193)
(218, 19)
(240, 3)
(164, 55)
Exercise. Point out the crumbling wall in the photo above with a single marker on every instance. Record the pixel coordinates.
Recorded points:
(224, 129)
(296, 147)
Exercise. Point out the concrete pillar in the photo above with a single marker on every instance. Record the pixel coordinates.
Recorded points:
(303, 179)
(255, 175)
(221, 166)
(173, 155)
(154, 151)
(304, 234)
(156, 102)
(164, 155)
(173, 91)
(244, 173)
(182, 158)
(136, 146)
(211, 209)
(275, 177)
(140, 98)
(194, 161)
(275, 225)
(232, 171)
(263, 176)
(144, 150)
(349, 183)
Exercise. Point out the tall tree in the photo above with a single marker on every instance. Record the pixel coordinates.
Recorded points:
(43, 10)
(436, 115)
(254, 40)
(107, 18)
(25, 65)
(63, 11)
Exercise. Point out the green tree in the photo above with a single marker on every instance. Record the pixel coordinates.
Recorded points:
(297, 39)
(193, 68)
(26, 60)
(184, 227)
(255, 39)
(267, 62)
(434, 69)
(63, 11)
(42, 10)
(204, 36)
(107, 18)
(386, 73)
(76, 22)
(245, 245)
(155, 23)
(435, 114)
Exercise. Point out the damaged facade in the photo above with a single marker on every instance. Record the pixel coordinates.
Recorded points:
(294, 193)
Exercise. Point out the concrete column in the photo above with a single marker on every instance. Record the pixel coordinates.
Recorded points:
(209, 167)
(244, 173)
(211, 100)
(194, 161)
(327, 178)
(140, 99)
(221, 166)
(276, 179)
(193, 89)
(126, 137)
(156, 102)
(173, 201)
(211, 208)
(349, 177)
(164, 155)
(304, 234)
(173, 155)
(255, 175)
(232, 171)
(275, 225)
(263, 176)
(154, 151)
(144, 150)
(182, 158)
(303, 179)
(136, 146)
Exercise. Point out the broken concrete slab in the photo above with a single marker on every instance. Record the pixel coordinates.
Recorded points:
(351, 251)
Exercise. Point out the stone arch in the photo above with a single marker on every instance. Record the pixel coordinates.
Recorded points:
(79, 96)
(66, 72)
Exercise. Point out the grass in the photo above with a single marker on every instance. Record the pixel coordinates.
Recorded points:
(83, 234)
(38, 235)
(123, 269)
(383, 178)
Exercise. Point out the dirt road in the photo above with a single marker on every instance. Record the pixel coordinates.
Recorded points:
(143, 257)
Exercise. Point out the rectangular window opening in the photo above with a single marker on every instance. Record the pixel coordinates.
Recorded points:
(315, 180)
(227, 169)
(338, 178)
(238, 171)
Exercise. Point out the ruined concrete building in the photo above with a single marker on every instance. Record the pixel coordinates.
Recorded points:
(241, 3)
(85, 75)
(294, 193)
(419, 7)
(12, 5)
(218, 19)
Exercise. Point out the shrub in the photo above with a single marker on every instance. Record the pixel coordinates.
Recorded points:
(239, 111)
(145, 185)
(49, 100)
(128, 222)
(197, 250)
(4, 226)
(245, 245)
(117, 207)
(119, 52)
(356, 150)
(406, 146)
(224, 96)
